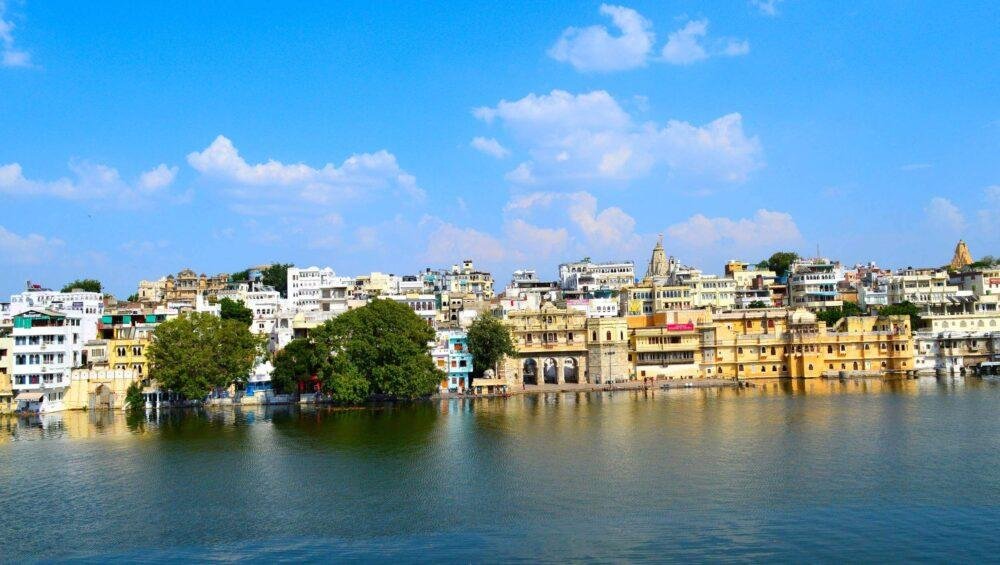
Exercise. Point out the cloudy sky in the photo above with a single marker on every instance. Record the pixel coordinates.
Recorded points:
(140, 138)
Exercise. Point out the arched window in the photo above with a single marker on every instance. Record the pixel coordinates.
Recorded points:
(608, 335)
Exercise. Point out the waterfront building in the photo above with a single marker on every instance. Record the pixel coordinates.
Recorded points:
(812, 284)
(47, 345)
(6, 370)
(957, 342)
(124, 340)
(451, 355)
(551, 347)
(607, 350)
(793, 343)
(666, 345)
(586, 278)
(98, 389)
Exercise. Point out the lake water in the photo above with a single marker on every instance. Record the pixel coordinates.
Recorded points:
(788, 471)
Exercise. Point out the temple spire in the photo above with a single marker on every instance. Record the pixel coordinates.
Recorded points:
(962, 257)
(658, 266)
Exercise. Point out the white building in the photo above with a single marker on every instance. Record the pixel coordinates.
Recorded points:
(304, 287)
(584, 277)
(812, 284)
(47, 345)
(929, 289)
(595, 307)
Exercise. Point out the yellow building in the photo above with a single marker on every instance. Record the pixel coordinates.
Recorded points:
(780, 344)
(6, 369)
(666, 345)
(551, 347)
(607, 350)
(98, 389)
(648, 297)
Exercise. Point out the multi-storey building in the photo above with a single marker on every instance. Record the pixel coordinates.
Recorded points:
(304, 286)
(586, 278)
(467, 280)
(607, 350)
(551, 347)
(47, 345)
(666, 345)
(783, 344)
(595, 307)
(957, 342)
(812, 284)
(981, 283)
(648, 297)
(707, 291)
(6, 370)
(423, 305)
(451, 355)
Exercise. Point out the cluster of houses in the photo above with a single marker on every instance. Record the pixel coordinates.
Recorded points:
(596, 323)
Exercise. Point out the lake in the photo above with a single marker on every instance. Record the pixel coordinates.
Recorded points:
(786, 471)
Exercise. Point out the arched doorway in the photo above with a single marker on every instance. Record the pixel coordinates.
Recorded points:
(551, 371)
(102, 398)
(530, 372)
(571, 372)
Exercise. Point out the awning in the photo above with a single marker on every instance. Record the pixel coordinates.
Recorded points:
(29, 396)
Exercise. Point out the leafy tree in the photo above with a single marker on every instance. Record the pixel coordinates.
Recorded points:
(833, 315)
(905, 308)
(295, 363)
(757, 304)
(277, 276)
(241, 276)
(383, 342)
(133, 397)
(198, 352)
(89, 285)
(134, 297)
(235, 310)
(489, 341)
(781, 261)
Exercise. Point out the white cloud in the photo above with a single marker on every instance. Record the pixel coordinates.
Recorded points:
(10, 55)
(736, 48)
(160, 177)
(766, 229)
(684, 45)
(607, 230)
(687, 45)
(32, 249)
(360, 174)
(91, 181)
(767, 7)
(527, 241)
(590, 136)
(943, 214)
(489, 146)
(449, 243)
(594, 49)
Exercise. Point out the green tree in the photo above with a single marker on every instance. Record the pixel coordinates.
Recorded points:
(295, 363)
(89, 285)
(905, 308)
(235, 310)
(833, 315)
(757, 304)
(133, 397)
(780, 262)
(384, 342)
(134, 297)
(489, 342)
(198, 352)
(241, 276)
(277, 276)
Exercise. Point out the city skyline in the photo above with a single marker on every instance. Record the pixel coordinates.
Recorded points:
(139, 140)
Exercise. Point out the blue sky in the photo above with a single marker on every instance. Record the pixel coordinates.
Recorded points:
(140, 138)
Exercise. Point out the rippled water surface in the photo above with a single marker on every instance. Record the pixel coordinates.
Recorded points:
(789, 471)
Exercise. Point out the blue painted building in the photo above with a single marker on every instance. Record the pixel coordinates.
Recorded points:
(451, 355)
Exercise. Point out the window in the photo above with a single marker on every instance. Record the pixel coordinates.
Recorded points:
(121, 351)
(137, 350)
